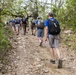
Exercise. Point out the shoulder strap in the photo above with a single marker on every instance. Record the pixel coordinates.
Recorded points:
(50, 21)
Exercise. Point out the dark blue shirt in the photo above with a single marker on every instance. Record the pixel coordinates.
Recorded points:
(13, 21)
(18, 21)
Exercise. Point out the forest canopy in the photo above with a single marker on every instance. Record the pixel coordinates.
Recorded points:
(65, 10)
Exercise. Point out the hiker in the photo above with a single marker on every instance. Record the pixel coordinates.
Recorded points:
(12, 24)
(24, 24)
(52, 30)
(33, 27)
(40, 30)
(17, 25)
(29, 21)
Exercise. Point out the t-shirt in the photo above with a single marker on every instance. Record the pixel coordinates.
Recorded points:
(36, 22)
(13, 21)
(47, 24)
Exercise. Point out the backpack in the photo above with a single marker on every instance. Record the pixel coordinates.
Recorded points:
(24, 20)
(40, 24)
(17, 21)
(54, 27)
(33, 22)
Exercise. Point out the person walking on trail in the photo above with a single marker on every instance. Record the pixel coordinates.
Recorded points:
(24, 24)
(40, 30)
(29, 22)
(33, 27)
(17, 25)
(52, 29)
(12, 24)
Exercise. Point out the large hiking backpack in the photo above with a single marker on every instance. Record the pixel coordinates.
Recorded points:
(40, 24)
(54, 27)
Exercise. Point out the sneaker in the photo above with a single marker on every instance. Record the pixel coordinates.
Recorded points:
(52, 61)
(60, 64)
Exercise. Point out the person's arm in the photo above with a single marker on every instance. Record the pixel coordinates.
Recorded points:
(45, 33)
(46, 30)
(21, 23)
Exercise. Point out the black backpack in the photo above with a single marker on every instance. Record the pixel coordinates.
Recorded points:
(40, 24)
(17, 21)
(24, 20)
(54, 27)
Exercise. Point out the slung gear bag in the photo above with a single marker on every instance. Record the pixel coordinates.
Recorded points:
(40, 24)
(54, 27)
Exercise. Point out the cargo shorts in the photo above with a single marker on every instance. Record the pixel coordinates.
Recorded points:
(54, 41)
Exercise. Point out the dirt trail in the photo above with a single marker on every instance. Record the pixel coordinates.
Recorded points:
(29, 59)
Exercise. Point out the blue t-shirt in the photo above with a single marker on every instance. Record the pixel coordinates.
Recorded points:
(47, 24)
(36, 22)
(19, 21)
(13, 21)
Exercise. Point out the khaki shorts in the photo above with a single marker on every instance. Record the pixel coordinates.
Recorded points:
(54, 41)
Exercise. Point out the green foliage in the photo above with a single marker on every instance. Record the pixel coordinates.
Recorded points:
(70, 41)
(67, 14)
(5, 44)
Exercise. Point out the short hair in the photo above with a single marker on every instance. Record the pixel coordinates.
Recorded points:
(51, 14)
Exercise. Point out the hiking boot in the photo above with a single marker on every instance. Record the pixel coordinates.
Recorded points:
(40, 44)
(60, 64)
(52, 61)
(24, 33)
(34, 34)
(17, 34)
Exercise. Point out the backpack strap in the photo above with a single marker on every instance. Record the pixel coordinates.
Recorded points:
(50, 21)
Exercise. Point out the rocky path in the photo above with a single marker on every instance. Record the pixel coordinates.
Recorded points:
(29, 59)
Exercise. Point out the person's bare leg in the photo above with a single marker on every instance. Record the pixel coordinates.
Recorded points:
(17, 30)
(34, 32)
(59, 58)
(13, 29)
(58, 53)
(41, 41)
(52, 53)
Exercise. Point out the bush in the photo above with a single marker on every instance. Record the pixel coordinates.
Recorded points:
(5, 44)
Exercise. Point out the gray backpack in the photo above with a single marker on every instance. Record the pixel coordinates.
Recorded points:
(40, 24)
